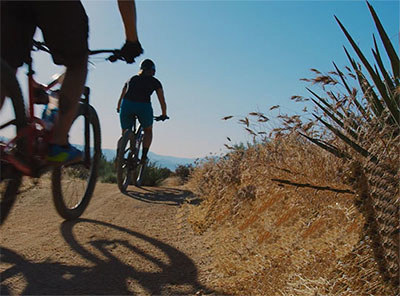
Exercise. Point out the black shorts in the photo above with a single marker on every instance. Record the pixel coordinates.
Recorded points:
(64, 25)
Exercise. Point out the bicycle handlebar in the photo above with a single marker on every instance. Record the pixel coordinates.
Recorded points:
(158, 118)
(115, 53)
(41, 46)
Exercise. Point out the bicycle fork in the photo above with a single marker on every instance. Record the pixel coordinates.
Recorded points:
(85, 101)
(138, 139)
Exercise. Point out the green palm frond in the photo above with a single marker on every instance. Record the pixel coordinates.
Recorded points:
(337, 121)
(328, 147)
(394, 59)
(366, 87)
(356, 102)
(346, 139)
(377, 56)
(392, 106)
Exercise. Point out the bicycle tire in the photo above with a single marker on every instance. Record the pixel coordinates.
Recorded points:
(140, 168)
(140, 174)
(74, 174)
(10, 177)
(125, 161)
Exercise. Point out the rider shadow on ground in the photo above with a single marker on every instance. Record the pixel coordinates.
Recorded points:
(164, 195)
(109, 276)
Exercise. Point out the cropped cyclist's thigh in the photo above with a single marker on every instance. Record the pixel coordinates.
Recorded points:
(130, 109)
(65, 29)
(145, 114)
(17, 29)
(126, 115)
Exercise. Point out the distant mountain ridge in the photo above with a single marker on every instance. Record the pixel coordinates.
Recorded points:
(170, 162)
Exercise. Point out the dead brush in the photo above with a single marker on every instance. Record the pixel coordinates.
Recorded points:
(272, 233)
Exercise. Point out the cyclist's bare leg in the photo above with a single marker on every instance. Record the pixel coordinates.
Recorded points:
(147, 137)
(2, 99)
(120, 140)
(3, 93)
(70, 93)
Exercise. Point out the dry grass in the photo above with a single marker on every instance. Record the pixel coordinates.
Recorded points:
(280, 220)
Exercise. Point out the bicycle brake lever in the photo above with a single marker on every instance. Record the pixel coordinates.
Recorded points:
(115, 56)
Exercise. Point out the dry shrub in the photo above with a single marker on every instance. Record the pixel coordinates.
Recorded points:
(280, 220)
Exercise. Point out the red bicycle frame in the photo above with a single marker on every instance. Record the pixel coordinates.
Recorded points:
(35, 133)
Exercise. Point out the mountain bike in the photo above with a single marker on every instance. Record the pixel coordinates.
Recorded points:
(130, 168)
(24, 142)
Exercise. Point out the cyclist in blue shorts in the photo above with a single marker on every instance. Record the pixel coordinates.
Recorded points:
(135, 100)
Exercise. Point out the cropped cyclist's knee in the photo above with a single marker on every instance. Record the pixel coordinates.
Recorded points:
(148, 130)
(78, 63)
(2, 99)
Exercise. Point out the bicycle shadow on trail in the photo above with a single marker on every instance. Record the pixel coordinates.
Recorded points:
(107, 274)
(163, 195)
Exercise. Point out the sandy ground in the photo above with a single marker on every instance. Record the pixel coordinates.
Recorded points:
(135, 243)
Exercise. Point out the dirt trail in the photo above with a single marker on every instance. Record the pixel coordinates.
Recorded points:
(124, 244)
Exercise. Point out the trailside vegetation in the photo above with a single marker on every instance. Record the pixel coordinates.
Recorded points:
(153, 174)
(312, 207)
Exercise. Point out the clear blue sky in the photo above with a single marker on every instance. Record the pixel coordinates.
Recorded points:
(218, 58)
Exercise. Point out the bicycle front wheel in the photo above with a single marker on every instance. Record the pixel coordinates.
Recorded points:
(10, 124)
(126, 160)
(138, 171)
(73, 185)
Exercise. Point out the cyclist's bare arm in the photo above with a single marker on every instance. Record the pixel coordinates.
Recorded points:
(121, 97)
(127, 9)
(132, 47)
(161, 99)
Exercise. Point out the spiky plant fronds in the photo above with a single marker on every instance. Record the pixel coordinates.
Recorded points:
(366, 118)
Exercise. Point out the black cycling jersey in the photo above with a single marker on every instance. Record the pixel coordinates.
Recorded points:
(140, 88)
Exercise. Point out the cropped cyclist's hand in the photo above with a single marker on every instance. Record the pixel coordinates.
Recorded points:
(131, 50)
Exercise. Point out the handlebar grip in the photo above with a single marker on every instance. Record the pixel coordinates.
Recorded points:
(112, 58)
(115, 56)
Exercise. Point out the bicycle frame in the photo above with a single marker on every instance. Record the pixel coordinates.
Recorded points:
(137, 133)
(35, 133)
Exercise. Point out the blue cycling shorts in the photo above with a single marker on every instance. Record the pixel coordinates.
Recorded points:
(129, 109)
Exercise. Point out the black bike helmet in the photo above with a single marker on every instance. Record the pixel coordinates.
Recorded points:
(147, 64)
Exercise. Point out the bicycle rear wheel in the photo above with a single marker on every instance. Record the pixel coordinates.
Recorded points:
(126, 160)
(10, 124)
(73, 185)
